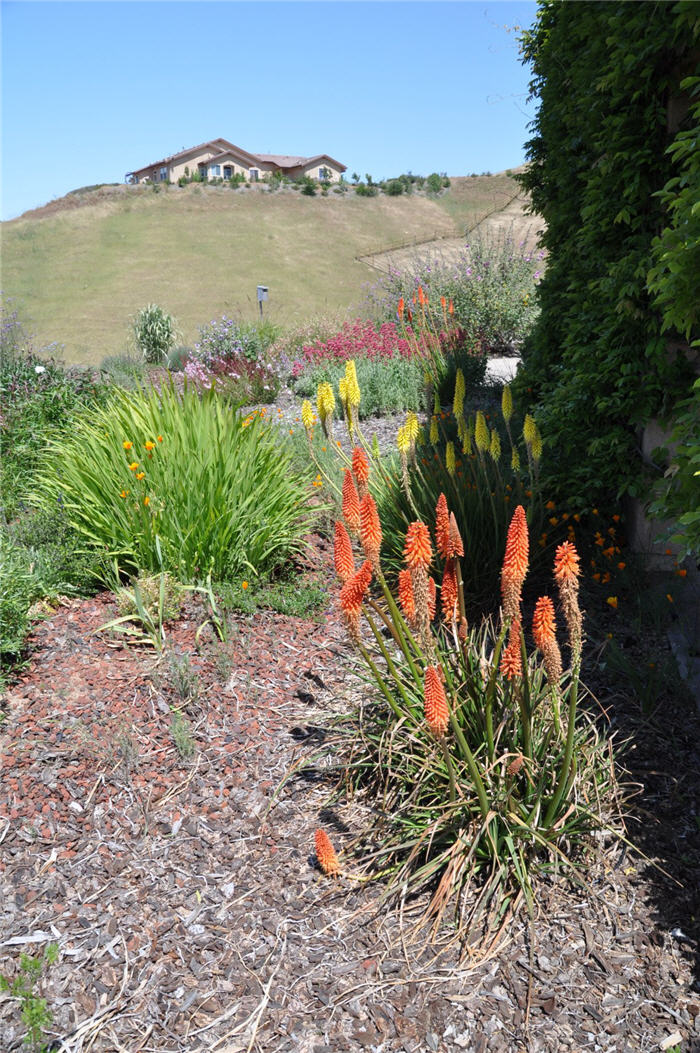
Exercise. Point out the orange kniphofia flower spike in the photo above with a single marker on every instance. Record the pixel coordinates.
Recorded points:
(418, 550)
(456, 545)
(451, 308)
(421, 295)
(437, 712)
(370, 528)
(407, 600)
(511, 659)
(515, 561)
(566, 563)
(443, 302)
(401, 306)
(442, 526)
(325, 854)
(543, 623)
(448, 591)
(351, 503)
(353, 591)
(342, 553)
(360, 468)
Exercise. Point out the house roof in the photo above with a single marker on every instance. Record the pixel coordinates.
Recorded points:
(285, 161)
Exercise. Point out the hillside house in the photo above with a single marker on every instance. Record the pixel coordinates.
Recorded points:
(219, 158)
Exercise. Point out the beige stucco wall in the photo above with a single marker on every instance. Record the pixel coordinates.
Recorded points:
(333, 175)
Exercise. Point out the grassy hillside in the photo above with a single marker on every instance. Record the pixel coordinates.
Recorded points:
(82, 266)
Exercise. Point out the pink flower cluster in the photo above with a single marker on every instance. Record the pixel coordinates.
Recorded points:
(358, 339)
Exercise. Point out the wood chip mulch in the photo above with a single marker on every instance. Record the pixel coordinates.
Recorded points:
(189, 919)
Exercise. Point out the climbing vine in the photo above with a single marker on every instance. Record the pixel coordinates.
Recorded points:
(603, 161)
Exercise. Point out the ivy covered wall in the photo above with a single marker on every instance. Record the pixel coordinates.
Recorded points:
(612, 80)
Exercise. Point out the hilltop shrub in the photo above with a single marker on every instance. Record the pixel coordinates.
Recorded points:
(161, 480)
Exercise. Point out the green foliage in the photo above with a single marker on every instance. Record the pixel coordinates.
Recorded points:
(678, 495)
(36, 395)
(366, 190)
(36, 1016)
(182, 735)
(17, 594)
(393, 187)
(126, 371)
(154, 332)
(674, 279)
(168, 481)
(597, 366)
(296, 598)
(388, 385)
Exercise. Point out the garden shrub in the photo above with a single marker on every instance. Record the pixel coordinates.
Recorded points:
(176, 482)
(234, 356)
(154, 330)
(597, 366)
(491, 286)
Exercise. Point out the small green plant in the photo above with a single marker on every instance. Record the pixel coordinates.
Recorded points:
(182, 735)
(36, 1015)
(389, 385)
(183, 678)
(154, 332)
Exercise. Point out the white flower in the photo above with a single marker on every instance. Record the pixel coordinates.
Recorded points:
(39, 369)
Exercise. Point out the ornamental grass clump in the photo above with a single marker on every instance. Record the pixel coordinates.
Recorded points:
(483, 771)
(162, 480)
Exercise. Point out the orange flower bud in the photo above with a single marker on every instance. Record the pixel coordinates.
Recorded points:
(370, 529)
(437, 712)
(325, 854)
(566, 563)
(351, 503)
(456, 545)
(418, 551)
(407, 600)
(511, 659)
(448, 591)
(543, 623)
(515, 563)
(342, 553)
(360, 468)
(442, 526)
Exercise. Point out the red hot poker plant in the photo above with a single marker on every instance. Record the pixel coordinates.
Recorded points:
(360, 468)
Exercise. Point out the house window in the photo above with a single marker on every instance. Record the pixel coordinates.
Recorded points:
(163, 175)
(215, 170)
(228, 172)
(253, 174)
(324, 174)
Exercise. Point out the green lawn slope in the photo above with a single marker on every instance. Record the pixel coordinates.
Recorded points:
(82, 266)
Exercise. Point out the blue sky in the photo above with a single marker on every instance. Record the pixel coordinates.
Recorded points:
(91, 90)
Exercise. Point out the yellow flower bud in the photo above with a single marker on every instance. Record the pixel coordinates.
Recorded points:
(515, 460)
(460, 392)
(343, 390)
(402, 440)
(412, 427)
(450, 458)
(529, 429)
(536, 446)
(307, 415)
(495, 447)
(481, 433)
(507, 403)
(434, 434)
